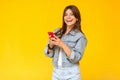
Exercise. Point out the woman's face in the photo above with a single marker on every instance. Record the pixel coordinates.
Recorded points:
(69, 18)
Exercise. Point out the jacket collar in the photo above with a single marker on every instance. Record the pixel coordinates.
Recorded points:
(73, 32)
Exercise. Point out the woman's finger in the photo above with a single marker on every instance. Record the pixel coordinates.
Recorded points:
(55, 37)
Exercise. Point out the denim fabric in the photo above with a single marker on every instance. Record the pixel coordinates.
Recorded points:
(69, 70)
(76, 41)
(69, 73)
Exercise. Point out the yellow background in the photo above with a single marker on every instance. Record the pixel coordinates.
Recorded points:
(23, 35)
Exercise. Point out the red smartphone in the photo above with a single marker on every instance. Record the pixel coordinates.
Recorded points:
(51, 34)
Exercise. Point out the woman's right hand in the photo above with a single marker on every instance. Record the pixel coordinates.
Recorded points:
(51, 42)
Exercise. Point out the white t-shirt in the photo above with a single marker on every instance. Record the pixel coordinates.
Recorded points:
(60, 58)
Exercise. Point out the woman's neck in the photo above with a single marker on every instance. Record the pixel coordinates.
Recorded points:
(69, 28)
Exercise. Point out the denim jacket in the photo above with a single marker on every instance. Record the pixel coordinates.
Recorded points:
(76, 41)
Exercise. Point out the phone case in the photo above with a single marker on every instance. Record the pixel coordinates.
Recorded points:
(51, 34)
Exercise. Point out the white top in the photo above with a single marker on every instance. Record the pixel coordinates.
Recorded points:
(60, 58)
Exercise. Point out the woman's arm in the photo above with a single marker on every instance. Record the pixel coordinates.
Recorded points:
(74, 54)
(78, 50)
(48, 52)
(57, 41)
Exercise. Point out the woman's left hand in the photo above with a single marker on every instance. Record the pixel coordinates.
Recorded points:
(57, 41)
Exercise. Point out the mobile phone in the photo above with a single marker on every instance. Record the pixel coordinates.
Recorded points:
(51, 34)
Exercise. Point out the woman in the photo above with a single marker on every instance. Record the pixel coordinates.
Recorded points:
(67, 46)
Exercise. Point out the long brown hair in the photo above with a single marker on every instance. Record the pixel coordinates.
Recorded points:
(77, 25)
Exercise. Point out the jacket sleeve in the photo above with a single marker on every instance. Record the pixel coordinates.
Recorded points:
(48, 53)
(78, 50)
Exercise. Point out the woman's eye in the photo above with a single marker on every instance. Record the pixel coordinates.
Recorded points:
(69, 14)
(65, 15)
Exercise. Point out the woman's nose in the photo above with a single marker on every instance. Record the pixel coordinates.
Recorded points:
(68, 16)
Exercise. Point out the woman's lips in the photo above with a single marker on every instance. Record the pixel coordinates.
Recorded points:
(69, 20)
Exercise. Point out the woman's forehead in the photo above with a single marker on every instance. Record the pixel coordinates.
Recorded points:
(68, 11)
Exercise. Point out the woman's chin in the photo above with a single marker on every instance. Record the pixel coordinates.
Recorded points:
(69, 25)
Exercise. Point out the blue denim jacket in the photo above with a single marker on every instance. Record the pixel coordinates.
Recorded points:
(76, 41)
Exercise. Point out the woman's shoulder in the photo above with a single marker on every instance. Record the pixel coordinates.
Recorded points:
(80, 34)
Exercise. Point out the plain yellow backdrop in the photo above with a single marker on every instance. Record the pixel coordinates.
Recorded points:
(23, 36)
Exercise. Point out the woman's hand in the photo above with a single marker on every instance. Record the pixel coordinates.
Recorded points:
(56, 41)
(51, 42)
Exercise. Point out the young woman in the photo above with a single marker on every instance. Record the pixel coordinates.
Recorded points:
(67, 46)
